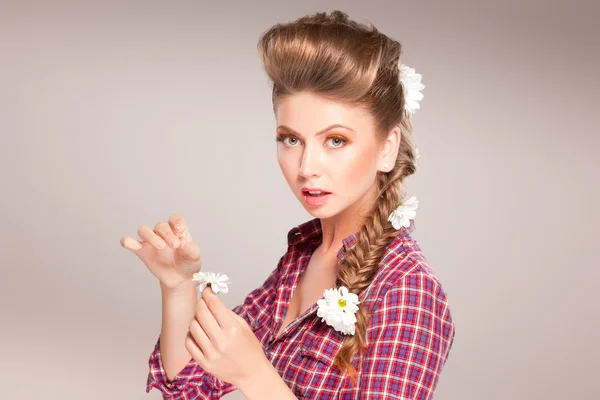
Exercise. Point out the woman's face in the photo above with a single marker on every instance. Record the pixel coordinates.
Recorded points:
(341, 160)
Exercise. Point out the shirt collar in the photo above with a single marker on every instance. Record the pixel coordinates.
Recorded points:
(310, 232)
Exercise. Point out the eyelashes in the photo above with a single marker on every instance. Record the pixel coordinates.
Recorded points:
(283, 136)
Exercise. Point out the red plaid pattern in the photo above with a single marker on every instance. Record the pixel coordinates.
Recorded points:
(409, 336)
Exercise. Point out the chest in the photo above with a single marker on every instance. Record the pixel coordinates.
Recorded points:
(320, 274)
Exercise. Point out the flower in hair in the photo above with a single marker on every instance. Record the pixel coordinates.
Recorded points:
(412, 88)
(402, 215)
(338, 309)
(218, 283)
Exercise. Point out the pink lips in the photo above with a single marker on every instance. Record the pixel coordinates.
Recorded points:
(307, 189)
(316, 200)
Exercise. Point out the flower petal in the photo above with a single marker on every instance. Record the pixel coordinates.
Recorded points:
(343, 291)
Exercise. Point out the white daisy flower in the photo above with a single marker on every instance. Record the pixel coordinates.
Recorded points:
(402, 215)
(417, 154)
(338, 309)
(218, 283)
(412, 88)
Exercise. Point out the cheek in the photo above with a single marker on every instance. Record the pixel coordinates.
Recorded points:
(286, 166)
(356, 172)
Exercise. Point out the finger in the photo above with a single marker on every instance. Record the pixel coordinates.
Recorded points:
(207, 321)
(163, 229)
(188, 250)
(131, 244)
(180, 228)
(194, 350)
(201, 338)
(239, 319)
(218, 309)
(178, 224)
(151, 237)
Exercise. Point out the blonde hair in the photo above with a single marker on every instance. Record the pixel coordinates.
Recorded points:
(342, 60)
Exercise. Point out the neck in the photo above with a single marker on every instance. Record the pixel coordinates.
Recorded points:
(338, 227)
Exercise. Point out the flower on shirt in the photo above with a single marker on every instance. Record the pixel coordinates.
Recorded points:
(338, 309)
(402, 215)
(218, 283)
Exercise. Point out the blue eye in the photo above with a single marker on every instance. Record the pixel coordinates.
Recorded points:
(282, 138)
(339, 141)
(291, 138)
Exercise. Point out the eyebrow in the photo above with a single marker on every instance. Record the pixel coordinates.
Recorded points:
(322, 131)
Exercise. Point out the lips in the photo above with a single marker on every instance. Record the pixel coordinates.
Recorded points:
(321, 191)
(316, 200)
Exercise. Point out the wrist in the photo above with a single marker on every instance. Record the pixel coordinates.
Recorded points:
(254, 386)
(184, 287)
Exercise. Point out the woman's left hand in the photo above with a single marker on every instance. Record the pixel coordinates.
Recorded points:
(222, 342)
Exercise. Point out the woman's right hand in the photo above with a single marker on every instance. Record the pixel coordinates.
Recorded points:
(168, 251)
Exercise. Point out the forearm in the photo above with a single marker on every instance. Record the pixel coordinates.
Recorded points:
(178, 308)
(266, 384)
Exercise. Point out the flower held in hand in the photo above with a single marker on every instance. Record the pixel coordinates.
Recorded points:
(218, 283)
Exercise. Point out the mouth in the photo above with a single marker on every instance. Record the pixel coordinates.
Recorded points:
(319, 193)
(316, 199)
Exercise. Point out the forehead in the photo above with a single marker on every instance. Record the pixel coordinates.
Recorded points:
(308, 113)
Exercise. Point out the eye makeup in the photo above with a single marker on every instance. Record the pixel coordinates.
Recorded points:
(283, 136)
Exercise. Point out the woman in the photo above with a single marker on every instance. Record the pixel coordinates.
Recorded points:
(344, 131)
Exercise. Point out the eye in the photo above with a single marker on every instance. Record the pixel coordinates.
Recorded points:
(338, 141)
(283, 138)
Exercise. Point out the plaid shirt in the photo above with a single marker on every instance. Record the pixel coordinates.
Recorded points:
(409, 336)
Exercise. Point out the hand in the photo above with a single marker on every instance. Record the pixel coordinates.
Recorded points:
(168, 251)
(222, 343)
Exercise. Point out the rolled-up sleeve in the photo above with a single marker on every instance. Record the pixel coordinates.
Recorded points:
(193, 382)
(409, 339)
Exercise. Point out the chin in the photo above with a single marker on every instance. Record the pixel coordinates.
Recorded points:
(317, 213)
(322, 212)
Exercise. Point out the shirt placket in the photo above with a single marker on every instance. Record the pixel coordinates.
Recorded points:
(291, 325)
(288, 290)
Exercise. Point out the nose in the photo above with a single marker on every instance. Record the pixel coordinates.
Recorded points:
(310, 164)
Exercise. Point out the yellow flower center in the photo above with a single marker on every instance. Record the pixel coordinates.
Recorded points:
(342, 303)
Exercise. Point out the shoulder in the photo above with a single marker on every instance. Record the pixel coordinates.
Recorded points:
(412, 301)
(405, 275)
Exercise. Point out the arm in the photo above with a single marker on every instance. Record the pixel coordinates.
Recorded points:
(267, 384)
(192, 382)
(409, 339)
(172, 370)
(178, 308)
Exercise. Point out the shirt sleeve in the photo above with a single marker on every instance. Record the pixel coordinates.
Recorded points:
(409, 339)
(193, 382)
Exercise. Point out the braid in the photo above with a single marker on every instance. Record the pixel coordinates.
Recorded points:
(361, 262)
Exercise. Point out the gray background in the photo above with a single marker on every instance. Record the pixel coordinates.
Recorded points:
(117, 114)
